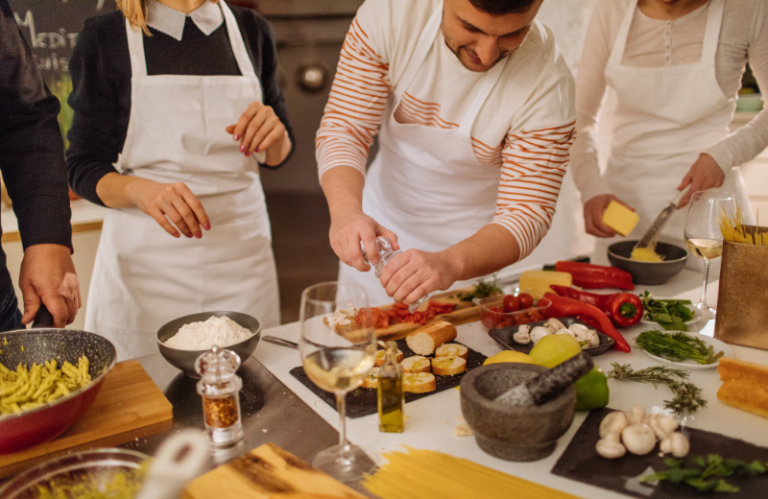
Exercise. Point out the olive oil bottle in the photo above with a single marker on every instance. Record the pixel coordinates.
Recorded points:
(391, 394)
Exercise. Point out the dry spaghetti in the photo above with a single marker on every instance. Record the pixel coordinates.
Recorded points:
(735, 231)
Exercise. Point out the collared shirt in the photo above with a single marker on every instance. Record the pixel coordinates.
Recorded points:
(208, 17)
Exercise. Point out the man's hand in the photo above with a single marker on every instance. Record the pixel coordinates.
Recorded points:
(414, 273)
(593, 215)
(704, 174)
(48, 275)
(352, 227)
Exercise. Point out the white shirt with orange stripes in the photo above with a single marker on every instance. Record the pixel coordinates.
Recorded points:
(525, 128)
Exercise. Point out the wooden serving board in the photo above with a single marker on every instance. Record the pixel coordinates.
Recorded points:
(267, 472)
(129, 406)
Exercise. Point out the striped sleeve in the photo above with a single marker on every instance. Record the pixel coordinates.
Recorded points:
(355, 107)
(534, 164)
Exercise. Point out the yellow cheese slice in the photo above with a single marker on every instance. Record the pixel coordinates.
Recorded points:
(538, 281)
(620, 218)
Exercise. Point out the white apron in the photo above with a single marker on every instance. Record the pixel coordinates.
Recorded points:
(664, 118)
(143, 277)
(426, 184)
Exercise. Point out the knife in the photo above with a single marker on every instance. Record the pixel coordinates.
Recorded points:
(650, 237)
(280, 341)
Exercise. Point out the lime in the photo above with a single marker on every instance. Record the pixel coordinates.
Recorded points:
(509, 356)
(592, 390)
(555, 349)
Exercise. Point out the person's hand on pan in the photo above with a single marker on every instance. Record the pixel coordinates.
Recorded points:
(48, 276)
(352, 227)
(704, 174)
(593, 215)
(174, 202)
(415, 273)
(259, 129)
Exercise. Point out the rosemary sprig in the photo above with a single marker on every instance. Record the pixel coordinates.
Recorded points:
(687, 395)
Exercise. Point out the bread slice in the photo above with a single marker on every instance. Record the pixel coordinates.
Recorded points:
(419, 382)
(745, 394)
(427, 338)
(416, 364)
(448, 366)
(381, 355)
(372, 380)
(452, 350)
(738, 369)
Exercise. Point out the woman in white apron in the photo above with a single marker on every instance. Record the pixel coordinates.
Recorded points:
(180, 137)
(665, 116)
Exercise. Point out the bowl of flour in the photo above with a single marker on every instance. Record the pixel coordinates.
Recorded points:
(183, 340)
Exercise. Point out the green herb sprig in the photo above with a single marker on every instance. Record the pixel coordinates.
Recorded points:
(669, 314)
(677, 347)
(482, 289)
(707, 474)
(687, 395)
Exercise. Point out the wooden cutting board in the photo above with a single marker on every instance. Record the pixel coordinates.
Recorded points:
(267, 472)
(129, 406)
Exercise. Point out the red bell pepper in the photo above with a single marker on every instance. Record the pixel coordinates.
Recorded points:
(565, 307)
(624, 309)
(590, 276)
(600, 301)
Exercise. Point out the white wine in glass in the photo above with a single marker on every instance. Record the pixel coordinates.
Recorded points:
(337, 347)
(703, 236)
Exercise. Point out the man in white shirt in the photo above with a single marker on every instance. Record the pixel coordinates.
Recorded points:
(474, 105)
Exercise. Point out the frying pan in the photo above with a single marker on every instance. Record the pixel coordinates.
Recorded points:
(42, 343)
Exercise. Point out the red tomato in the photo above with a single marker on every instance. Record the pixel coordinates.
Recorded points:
(489, 320)
(511, 304)
(525, 299)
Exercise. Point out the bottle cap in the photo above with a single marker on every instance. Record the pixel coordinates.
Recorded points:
(217, 365)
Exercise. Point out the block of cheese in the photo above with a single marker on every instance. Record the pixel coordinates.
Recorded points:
(538, 281)
(620, 218)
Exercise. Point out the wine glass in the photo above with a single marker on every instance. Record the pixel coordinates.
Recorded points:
(703, 236)
(337, 352)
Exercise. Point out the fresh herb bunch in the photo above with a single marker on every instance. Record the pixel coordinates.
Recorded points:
(677, 347)
(707, 474)
(482, 289)
(669, 314)
(687, 395)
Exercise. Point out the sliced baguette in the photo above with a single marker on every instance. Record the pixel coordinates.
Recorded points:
(452, 350)
(745, 394)
(372, 380)
(427, 338)
(729, 369)
(419, 382)
(382, 354)
(448, 366)
(416, 364)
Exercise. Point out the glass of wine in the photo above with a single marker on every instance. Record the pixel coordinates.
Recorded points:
(703, 236)
(337, 348)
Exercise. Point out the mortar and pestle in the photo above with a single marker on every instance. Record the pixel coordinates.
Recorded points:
(518, 411)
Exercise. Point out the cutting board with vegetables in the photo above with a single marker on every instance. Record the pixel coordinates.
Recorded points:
(267, 472)
(129, 406)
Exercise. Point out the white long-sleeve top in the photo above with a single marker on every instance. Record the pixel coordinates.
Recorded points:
(656, 43)
(524, 129)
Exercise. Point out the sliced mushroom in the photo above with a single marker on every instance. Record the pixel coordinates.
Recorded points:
(639, 439)
(521, 338)
(636, 415)
(614, 422)
(554, 325)
(609, 447)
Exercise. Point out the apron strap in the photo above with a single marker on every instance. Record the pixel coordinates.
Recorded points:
(621, 37)
(136, 50)
(490, 80)
(712, 33)
(426, 40)
(236, 41)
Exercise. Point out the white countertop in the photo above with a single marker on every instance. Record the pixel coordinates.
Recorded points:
(83, 212)
(431, 420)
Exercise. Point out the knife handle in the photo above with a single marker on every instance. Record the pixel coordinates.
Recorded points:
(679, 196)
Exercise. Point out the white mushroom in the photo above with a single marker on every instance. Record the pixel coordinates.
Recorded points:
(636, 415)
(666, 446)
(554, 325)
(521, 338)
(565, 331)
(663, 425)
(593, 340)
(525, 328)
(609, 447)
(614, 422)
(639, 439)
(579, 329)
(538, 333)
(680, 445)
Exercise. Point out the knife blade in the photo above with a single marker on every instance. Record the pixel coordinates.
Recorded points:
(650, 237)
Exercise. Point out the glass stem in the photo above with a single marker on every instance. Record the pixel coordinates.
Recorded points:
(341, 407)
(704, 285)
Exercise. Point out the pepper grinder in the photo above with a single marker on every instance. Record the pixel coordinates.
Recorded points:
(384, 247)
(219, 388)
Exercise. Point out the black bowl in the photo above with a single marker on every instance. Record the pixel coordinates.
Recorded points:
(648, 272)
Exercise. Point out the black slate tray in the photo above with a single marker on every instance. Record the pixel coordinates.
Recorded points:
(363, 401)
(581, 462)
(503, 337)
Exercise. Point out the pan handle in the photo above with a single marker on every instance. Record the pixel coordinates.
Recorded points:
(43, 318)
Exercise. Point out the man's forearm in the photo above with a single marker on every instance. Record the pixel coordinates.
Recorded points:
(490, 249)
(343, 188)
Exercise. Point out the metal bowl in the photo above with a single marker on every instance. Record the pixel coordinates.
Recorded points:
(185, 359)
(648, 272)
(96, 466)
(28, 346)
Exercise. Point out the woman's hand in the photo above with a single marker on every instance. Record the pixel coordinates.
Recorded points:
(593, 215)
(259, 129)
(704, 174)
(174, 201)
